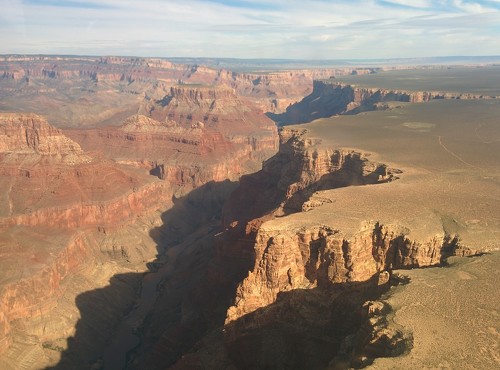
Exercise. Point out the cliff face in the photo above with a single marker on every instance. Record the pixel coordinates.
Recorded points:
(79, 216)
(213, 107)
(50, 180)
(331, 98)
(188, 137)
(319, 256)
(61, 211)
(107, 90)
(231, 129)
(312, 263)
(29, 134)
(301, 167)
(305, 255)
(275, 91)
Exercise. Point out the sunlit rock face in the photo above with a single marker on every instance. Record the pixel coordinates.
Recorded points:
(83, 215)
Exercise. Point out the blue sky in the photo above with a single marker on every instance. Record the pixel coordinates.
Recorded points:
(307, 29)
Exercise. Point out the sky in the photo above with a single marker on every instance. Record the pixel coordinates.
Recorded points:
(289, 29)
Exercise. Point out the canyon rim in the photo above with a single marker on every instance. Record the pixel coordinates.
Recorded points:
(157, 215)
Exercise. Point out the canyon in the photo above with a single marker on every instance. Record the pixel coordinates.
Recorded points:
(158, 217)
(90, 91)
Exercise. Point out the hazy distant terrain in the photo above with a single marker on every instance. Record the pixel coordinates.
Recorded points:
(475, 80)
(243, 65)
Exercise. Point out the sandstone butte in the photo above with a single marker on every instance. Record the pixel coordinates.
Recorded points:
(304, 242)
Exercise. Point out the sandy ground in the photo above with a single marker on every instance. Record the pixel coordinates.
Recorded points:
(448, 152)
(453, 313)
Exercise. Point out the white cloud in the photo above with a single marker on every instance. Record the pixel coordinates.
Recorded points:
(278, 29)
(412, 3)
(469, 7)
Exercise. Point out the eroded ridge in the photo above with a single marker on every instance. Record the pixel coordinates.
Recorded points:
(288, 180)
(330, 98)
(288, 257)
(305, 261)
(75, 221)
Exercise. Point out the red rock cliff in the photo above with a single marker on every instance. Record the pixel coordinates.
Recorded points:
(301, 251)
(329, 98)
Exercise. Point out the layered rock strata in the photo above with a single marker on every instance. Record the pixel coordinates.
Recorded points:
(329, 98)
(189, 136)
(106, 90)
(307, 255)
(29, 134)
(58, 214)
(60, 194)
(300, 168)
(319, 256)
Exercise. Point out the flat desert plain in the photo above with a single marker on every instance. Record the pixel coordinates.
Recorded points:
(449, 155)
(483, 80)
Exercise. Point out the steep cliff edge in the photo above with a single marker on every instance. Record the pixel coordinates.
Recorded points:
(312, 256)
(84, 218)
(312, 266)
(298, 252)
(62, 214)
(70, 220)
(303, 297)
(329, 98)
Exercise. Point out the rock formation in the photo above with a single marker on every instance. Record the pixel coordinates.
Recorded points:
(91, 215)
(31, 135)
(188, 137)
(308, 255)
(316, 249)
(329, 98)
(59, 215)
(283, 270)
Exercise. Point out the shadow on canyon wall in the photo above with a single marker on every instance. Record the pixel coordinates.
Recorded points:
(328, 99)
(339, 326)
(325, 100)
(303, 329)
(185, 245)
(149, 321)
(280, 184)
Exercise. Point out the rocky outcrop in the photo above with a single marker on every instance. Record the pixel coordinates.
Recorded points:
(329, 98)
(187, 154)
(307, 255)
(310, 272)
(51, 181)
(217, 108)
(319, 256)
(301, 167)
(274, 91)
(62, 209)
(29, 134)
